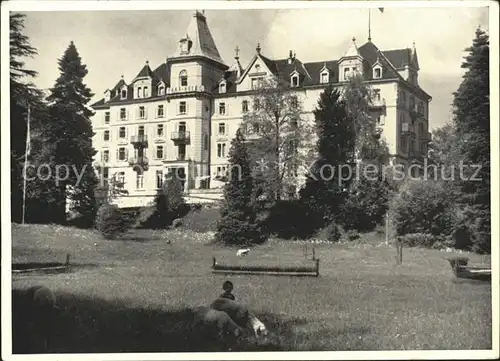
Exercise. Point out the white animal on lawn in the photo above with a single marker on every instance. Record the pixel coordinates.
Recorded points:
(258, 327)
(242, 252)
(216, 322)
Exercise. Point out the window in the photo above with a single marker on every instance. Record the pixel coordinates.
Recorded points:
(159, 111)
(244, 106)
(222, 88)
(324, 78)
(139, 182)
(161, 90)
(123, 94)
(181, 152)
(222, 108)
(412, 103)
(182, 108)
(421, 108)
(123, 113)
(221, 172)
(222, 128)
(107, 116)
(120, 178)
(159, 178)
(122, 153)
(295, 80)
(142, 113)
(159, 151)
(159, 130)
(221, 150)
(346, 73)
(183, 79)
(293, 123)
(105, 155)
(146, 92)
(377, 72)
(205, 142)
(122, 132)
(139, 92)
(182, 127)
(294, 103)
(106, 135)
(140, 130)
(256, 82)
(376, 94)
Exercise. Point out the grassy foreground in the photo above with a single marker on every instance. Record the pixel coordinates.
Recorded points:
(135, 295)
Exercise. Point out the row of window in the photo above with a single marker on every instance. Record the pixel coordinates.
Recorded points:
(143, 92)
(159, 153)
(139, 182)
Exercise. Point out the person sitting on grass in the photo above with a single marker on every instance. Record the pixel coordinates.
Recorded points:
(227, 287)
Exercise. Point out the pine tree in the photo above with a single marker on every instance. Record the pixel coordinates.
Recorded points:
(70, 133)
(22, 94)
(238, 222)
(471, 109)
(324, 192)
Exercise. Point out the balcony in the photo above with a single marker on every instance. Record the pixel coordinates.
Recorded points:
(139, 163)
(185, 89)
(378, 103)
(182, 137)
(139, 140)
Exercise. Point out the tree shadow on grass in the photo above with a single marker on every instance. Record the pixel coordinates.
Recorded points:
(91, 325)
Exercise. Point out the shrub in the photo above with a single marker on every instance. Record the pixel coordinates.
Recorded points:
(423, 206)
(231, 230)
(289, 219)
(330, 233)
(111, 222)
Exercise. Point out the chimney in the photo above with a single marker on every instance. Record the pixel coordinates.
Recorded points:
(290, 57)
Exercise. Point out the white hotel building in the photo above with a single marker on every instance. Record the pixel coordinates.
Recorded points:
(182, 115)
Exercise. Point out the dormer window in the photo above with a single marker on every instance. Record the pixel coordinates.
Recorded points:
(346, 74)
(123, 93)
(139, 92)
(183, 78)
(222, 87)
(161, 90)
(377, 72)
(146, 92)
(325, 77)
(295, 80)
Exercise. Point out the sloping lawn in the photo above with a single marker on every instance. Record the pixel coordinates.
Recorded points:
(135, 294)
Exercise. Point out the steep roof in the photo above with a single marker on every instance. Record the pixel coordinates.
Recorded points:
(399, 58)
(145, 72)
(202, 42)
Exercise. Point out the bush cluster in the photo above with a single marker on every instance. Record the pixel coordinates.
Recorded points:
(111, 222)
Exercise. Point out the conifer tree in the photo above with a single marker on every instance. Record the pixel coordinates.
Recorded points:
(70, 133)
(324, 191)
(471, 109)
(238, 222)
(23, 93)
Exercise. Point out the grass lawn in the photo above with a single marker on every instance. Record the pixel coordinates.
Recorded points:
(135, 294)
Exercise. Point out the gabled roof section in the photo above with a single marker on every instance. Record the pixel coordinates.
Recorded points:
(414, 58)
(399, 58)
(371, 54)
(201, 40)
(316, 68)
(230, 77)
(352, 51)
(162, 72)
(145, 72)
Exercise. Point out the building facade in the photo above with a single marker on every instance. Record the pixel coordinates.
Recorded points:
(182, 116)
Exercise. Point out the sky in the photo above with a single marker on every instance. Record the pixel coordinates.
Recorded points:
(115, 43)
